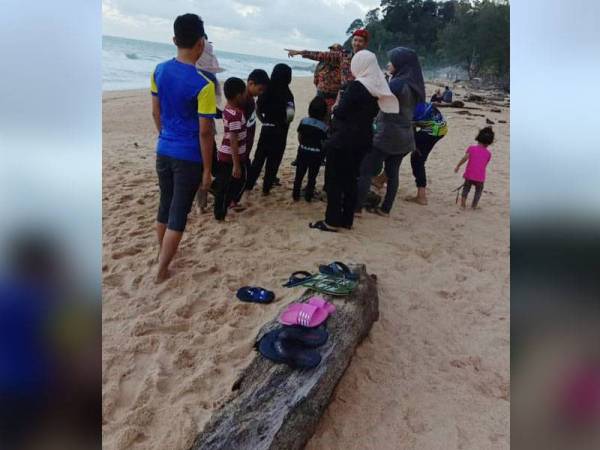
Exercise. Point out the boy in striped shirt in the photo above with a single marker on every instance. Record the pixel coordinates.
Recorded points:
(232, 155)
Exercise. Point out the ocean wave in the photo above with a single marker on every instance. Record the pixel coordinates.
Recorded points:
(127, 64)
(302, 67)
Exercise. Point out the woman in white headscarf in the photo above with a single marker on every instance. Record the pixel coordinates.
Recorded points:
(351, 138)
(394, 136)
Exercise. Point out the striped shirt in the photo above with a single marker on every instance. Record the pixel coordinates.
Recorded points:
(233, 122)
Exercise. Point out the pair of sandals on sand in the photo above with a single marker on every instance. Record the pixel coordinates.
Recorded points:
(303, 331)
(335, 279)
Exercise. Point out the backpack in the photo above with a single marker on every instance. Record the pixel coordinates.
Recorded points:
(430, 119)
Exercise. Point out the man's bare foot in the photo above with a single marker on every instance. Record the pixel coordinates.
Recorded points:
(238, 207)
(162, 276)
(417, 200)
(381, 212)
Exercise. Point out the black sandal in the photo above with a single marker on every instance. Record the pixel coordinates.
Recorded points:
(321, 225)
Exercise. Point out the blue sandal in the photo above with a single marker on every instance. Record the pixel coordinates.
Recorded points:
(272, 346)
(255, 295)
(295, 280)
(338, 269)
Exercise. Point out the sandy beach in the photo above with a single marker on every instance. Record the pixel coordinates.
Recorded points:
(434, 371)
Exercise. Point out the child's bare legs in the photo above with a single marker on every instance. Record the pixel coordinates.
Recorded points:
(478, 192)
(168, 248)
(465, 193)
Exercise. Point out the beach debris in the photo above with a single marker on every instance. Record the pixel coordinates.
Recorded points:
(274, 407)
(489, 122)
(136, 145)
(474, 98)
(496, 110)
(502, 121)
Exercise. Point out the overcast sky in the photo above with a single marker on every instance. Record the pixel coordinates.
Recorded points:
(257, 27)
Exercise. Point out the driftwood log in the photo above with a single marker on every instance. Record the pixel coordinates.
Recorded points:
(273, 407)
(456, 104)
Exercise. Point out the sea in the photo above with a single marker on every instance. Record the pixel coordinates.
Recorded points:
(128, 63)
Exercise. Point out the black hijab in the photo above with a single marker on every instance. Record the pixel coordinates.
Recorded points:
(408, 69)
(272, 104)
(281, 77)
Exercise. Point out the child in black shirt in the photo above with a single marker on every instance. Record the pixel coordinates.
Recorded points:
(312, 132)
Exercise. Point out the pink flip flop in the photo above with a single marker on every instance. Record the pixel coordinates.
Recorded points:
(320, 302)
(303, 314)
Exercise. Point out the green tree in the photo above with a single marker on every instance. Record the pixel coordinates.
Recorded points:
(355, 25)
(473, 34)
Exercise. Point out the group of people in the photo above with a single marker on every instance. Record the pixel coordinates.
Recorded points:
(445, 97)
(359, 122)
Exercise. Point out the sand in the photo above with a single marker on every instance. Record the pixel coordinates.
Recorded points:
(434, 371)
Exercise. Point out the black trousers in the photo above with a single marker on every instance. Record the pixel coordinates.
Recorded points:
(306, 162)
(370, 167)
(424, 143)
(247, 166)
(341, 176)
(227, 188)
(178, 181)
(270, 150)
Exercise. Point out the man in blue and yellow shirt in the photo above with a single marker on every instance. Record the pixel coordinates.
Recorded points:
(183, 107)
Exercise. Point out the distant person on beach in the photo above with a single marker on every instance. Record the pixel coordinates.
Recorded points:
(431, 127)
(232, 154)
(477, 158)
(208, 65)
(351, 138)
(437, 97)
(312, 132)
(184, 105)
(275, 109)
(447, 95)
(328, 78)
(394, 136)
(257, 84)
(360, 41)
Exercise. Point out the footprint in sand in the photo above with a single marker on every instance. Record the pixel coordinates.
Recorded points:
(113, 280)
(154, 326)
(137, 232)
(185, 359)
(130, 251)
(205, 274)
(461, 278)
(444, 294)
(216, 314)
(125, 198)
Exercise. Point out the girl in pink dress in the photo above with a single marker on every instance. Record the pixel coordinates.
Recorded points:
(477, 158)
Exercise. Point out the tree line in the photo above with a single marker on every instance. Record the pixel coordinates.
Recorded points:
(470, 34)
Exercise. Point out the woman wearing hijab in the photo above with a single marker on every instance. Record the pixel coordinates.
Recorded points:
(275, 109)
(351, 138)
(394, 136)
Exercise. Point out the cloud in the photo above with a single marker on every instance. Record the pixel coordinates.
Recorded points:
(246, 10)
(257, 27)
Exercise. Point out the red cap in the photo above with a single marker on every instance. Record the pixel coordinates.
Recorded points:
(362, 32)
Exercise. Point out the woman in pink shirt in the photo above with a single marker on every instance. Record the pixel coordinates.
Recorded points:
(478, 157)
